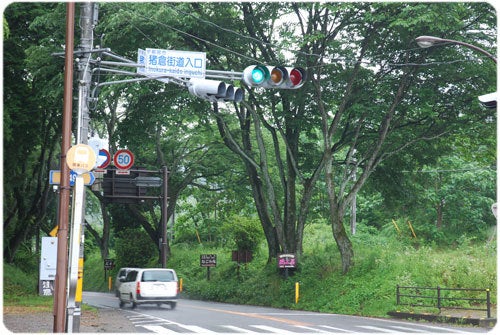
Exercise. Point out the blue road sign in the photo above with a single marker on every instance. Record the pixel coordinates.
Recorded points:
(55, 178)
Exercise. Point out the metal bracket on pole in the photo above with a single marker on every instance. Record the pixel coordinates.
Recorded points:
(124, 62)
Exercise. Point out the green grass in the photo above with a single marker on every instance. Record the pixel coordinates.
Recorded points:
(381, 263)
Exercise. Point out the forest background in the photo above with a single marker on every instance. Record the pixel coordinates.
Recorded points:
(382, 128)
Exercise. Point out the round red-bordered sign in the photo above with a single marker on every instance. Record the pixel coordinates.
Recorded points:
(104, 153)
(123, 159)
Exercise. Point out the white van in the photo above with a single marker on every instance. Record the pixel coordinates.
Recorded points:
(149, 286)
(120, 277)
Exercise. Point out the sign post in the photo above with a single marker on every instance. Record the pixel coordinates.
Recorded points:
(208, 261)
(109, 264)
(81, 159)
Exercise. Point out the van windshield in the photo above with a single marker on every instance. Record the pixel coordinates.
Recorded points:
(157, 276)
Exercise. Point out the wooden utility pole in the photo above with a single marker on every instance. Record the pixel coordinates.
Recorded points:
(62, 234)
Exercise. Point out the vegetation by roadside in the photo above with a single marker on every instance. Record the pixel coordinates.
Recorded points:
(383, 260)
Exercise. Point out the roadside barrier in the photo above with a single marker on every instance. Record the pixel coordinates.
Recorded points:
(439, 297)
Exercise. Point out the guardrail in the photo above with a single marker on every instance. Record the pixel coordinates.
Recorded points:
(439, 297)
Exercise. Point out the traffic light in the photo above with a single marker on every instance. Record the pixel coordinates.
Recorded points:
(274, 76)
(488, 100)
(214, 90)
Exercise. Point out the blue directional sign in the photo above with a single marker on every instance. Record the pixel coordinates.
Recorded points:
(55, 178)
(172, 63)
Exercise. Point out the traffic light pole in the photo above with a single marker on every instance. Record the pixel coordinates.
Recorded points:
(164, 219)
(88, 19)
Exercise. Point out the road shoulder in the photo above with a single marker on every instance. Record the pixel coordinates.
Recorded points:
(103, 320)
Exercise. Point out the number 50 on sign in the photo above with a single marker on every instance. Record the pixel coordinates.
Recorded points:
(123, 159)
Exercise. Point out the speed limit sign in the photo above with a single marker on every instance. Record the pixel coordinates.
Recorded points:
(123, 159)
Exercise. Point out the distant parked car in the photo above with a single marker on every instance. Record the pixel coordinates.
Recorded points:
(149, 286)
(122, 273)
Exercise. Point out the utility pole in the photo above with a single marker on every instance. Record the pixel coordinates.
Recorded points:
(62, 234)
(88, 20)
(163, 242)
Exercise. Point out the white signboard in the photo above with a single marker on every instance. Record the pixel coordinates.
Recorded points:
(48, 266)
(48, 261)
(173, 63)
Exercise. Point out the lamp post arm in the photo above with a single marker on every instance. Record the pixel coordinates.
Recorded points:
(428, 41)
(470, 46)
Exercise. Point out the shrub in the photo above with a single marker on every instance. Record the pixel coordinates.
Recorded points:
(134, 248)
(245, 233)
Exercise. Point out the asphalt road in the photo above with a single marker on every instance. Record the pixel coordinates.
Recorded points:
(201, 317)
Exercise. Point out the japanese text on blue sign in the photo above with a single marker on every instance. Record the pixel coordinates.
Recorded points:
(185, 64)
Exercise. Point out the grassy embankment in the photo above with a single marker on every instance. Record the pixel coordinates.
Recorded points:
(381, 263)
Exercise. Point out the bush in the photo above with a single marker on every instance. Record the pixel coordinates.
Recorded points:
(133, 248)
(245, 233)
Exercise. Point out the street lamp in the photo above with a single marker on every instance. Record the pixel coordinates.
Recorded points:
(429, 41)
(487, 100)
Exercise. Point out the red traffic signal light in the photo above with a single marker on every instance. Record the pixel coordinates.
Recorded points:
(214, 90)
(274, 76)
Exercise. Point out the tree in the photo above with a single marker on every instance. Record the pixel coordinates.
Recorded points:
(361, 135)
(31, 111)
(369, 50)
(372, 97)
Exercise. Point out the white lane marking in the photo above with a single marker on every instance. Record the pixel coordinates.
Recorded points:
(159, 330)
(196, 329)
(378, 329)
(338, 329)
(273, 330)
(315, 330)
(240, 330)
(409, 330)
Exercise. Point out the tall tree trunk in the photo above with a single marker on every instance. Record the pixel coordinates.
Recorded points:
(343, 243)
(260, 204)
(336, 219)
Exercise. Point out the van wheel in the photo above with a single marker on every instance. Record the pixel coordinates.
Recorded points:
(172, 305)
(134, 305)
(121, 304)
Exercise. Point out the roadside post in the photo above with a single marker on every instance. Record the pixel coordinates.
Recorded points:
(109, 264)
(208, 261)
(81, 159)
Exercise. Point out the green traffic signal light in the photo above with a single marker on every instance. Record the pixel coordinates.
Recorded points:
(259, 74)
(274, 77)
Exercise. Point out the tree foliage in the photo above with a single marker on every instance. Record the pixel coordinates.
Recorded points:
(375, 113)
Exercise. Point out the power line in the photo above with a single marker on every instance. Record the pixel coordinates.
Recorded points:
(487, 168)
(244, 36)
(331, 61)
(190, 35)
